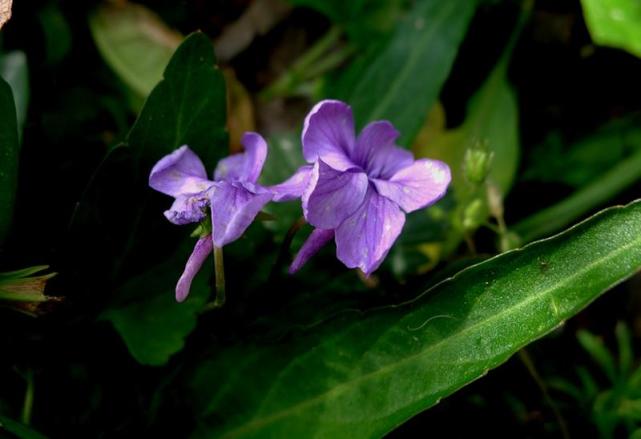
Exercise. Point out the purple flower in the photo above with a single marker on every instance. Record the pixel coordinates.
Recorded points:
(357, 189)
(233, 197)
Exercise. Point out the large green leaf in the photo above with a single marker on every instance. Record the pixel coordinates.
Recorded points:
(20, 431)
(9, 148)
(614, 23)
(134, 42)
(188, 107)
(364, 373)
(401, 81)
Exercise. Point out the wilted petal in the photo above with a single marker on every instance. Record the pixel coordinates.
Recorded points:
(188, 209)
(294, 186)
(245, 166)
(328, 134)
(317, 239)
(233, 208)
(364, 239)
(202, 249)
(333, 195)
(178, 173)
(416, 186)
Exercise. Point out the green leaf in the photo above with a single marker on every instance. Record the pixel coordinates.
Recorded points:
(13, 69)
(19, 430)
(188, 107)
(9, 148)
(624, 343)
(135, 43)
(614, 23)
(362, 374)
(149, 320)
(581, 162)
(598, 192)
(599, 353)
(401, 81)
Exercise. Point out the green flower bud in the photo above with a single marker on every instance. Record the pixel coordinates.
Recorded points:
(477, 164)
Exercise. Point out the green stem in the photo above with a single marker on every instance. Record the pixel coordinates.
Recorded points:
(529, 365)
(27, 406)
(300, 69)
(556, 217)
(219, 269)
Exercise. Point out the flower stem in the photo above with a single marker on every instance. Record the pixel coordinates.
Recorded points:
(283, 253)
(27, 406)
(315, 61)
(219, 270)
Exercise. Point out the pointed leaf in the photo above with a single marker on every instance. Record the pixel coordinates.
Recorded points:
(401, 81)
(9, 148)
(362, 374)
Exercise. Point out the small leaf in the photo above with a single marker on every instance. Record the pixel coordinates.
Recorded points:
(624, 343)
(599, 353)
(135, 43)
(361, 374)
(614, 23)
(149, 320)
(401, 81)
(9, 147)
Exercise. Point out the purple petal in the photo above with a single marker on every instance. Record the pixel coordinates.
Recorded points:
(202, 249)
(233, 208)
(245, 166)
(294, 186)
(384, 162)
(374, 137)
(365, 238)
(333, 195)
(178, 173)
(316, 240)
(328, 134)
(188, 209)
(416, 186)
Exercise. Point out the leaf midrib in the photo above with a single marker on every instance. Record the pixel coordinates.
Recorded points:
(341, 387)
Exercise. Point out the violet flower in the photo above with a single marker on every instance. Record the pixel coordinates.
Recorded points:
(233, 197)
(357, 189)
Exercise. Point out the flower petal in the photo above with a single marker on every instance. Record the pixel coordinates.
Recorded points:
(316, 240)
(233, 208)
(333, 195)
(364, 239)
(188, 209)
(374, 137)
(202, 249)
(245, 166)
(294, 186)
(328, 134)
(416, 186)
(178, 173)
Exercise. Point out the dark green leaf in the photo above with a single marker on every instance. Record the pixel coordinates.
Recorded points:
(9, 148)
(13, 69)
(362, 374)
(19, 430)
(149, 320)
(598, 192)
(188, 107)
(401, 81)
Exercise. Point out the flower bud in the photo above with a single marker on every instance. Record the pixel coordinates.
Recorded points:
(477, 163)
